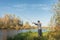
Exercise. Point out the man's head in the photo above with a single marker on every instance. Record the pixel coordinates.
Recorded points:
(38, 21)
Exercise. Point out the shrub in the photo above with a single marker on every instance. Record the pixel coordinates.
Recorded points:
(54, 35)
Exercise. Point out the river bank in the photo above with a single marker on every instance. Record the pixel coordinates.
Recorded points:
(28, 36)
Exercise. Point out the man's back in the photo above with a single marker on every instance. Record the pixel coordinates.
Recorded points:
(39, 26)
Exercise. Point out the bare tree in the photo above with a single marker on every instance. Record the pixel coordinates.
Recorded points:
(9, 22)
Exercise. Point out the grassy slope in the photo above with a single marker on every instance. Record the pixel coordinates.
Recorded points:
(29, 36)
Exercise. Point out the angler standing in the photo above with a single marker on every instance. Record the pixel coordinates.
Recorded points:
(39, 28)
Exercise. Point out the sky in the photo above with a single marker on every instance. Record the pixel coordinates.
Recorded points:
(29, 10)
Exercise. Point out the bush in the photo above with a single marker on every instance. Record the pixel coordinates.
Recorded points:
(54, 35)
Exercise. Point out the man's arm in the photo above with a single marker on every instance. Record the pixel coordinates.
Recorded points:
(35, 23)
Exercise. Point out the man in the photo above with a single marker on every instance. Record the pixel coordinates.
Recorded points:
(39, 28)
